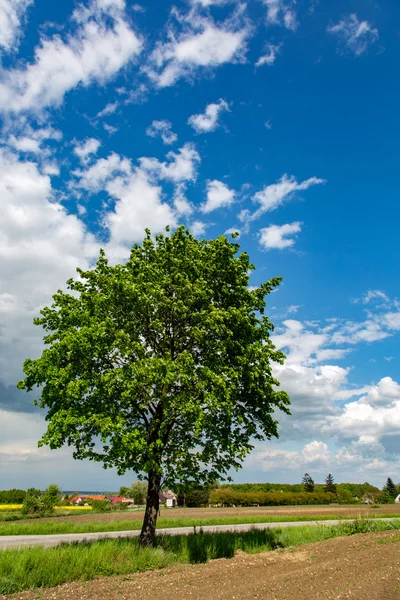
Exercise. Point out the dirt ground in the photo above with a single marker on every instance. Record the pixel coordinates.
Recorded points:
(201, 513)
(357, 567)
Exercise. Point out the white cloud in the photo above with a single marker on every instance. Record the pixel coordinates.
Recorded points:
(12, 13)
(86, 149)
(374, 295)
(95, 52)
(162, 129)
(40, 247)
(270, 56)
(109, 109)
(181, 204)
(354, 36)
(211, 2)
(198, 44)
(276, 236)
(101, 172)
(218, 196)
(138, 205)
(208, 121)
(353, 332)
(272, 196)
(376, 415)
(180, 166)
(30, 140)
(198, 228)
(282, 13)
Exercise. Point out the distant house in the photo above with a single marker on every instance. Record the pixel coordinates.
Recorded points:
(397, 499)
(168, 498)
(121, 500)
(83, 499)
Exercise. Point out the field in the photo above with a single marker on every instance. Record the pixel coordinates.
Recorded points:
(181, 517)
(358, 566)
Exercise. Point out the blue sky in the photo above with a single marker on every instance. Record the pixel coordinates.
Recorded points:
(275, 118)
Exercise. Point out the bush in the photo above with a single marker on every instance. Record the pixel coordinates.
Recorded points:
(12, 496)
(231, 497)
(38, 503)
(101, 506)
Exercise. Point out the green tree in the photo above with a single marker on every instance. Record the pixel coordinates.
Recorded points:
(308, 483)
(137, 492)
(162, 365)
(390, 488)
(330, 485)
(51, 497)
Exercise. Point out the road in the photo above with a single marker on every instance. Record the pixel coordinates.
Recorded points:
(18, 541)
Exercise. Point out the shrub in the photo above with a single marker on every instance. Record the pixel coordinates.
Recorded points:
(101, 506)
(232, 497)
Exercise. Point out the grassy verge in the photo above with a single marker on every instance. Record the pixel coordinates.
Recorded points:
(37, 566)
(53, 527)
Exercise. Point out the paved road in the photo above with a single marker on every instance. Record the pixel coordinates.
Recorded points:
(16, 541)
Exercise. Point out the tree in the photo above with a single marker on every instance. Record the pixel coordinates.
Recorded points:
(137, 492)
(308, 483)
(51, 497)
(36, 502)
(162, 365)
(330, 486)
(390, 488)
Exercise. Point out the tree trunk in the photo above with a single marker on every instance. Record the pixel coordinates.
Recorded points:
(148, 532)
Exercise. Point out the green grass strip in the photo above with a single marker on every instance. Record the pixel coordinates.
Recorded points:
(55, 527)
(38, 567)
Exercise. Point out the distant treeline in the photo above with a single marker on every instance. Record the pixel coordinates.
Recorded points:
(355, 490)
(12, 496)
(231, 497)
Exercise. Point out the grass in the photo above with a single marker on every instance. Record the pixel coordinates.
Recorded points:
(35, 567)
(54, 527)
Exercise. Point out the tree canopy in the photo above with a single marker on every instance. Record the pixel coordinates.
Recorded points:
(162, 365)
(330, 485)
(308, 483)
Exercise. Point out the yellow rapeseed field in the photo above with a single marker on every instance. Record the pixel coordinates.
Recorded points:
(19, 506)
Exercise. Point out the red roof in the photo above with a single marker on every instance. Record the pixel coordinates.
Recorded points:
(120, 499)
(86, 497)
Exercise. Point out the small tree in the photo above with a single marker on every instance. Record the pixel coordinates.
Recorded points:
(390, 488)
(330, 485)
(308, 483)
(162, 365)
(137, 492)
(36, 502)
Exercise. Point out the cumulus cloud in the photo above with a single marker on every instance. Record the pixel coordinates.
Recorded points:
(208, 121)
(85, 150)
(27, 139)
(282, 13)
(271, 53)
(276, 236)
(272, 196)
(12, 13)
(179, 166)
(162, 129)
(218, 196)
(95, 178)
(101, 45)
(354, 36)
(138, 205)
(40, 247)
(198, 228)
(198, 44)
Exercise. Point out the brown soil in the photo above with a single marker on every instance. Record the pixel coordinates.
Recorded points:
(201, 513)
(358, 567)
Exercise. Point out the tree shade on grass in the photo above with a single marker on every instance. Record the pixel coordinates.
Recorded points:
(162, 365)
(35, 567)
